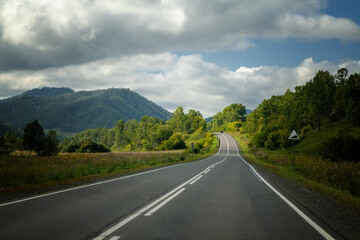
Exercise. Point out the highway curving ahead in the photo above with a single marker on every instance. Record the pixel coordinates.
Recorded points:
(221, 197)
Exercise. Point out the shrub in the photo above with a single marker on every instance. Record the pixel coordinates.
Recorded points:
(175, 142)
(86, 146)
(277, 139)
(341, 147)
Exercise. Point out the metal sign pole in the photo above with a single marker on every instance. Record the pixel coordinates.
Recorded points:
(294, 136)
(293, 152)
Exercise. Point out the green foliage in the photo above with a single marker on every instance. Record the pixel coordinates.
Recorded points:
(86, 146)
(340, 179)
(4, 128)
(202, 141)
(234, 126)
(181, 122)
(47, 92)
(89, 146)
(50, 144)
(277, 139)
(319, 103)
(232, 113)
(341, 147)
(34, 137)
(148, 134)
(176, 141)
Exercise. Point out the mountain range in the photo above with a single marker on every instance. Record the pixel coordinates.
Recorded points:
(70, 111)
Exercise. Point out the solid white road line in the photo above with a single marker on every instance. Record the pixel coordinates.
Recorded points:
(296, 209)
(196, 179)
(164, 202)
(257, 176)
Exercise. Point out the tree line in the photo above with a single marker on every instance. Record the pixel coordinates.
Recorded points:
(148, 134)
(33, 138)
(230, 119)
(320, 103)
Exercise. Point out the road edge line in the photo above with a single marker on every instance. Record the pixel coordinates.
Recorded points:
(323, 233)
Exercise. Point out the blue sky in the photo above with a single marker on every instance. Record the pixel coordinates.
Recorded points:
(199, 54)
(290, 52)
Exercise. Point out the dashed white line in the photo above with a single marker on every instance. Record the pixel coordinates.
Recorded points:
(175, 192)
(115, 238)
(143, 210)
(164, 202)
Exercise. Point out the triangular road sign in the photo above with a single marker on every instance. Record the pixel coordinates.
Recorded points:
(294, 136)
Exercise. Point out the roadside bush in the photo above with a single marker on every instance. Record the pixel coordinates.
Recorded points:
(176, 141)
(305, 130)
(73, 147)
(234, 126)
(86, 146)
(341, 147)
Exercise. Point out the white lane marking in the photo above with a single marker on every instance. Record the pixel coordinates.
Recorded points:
(164, 202)
(115, 238)
(146, 208)
(207, 171)
(296, 209)
(97, 183)
(196, 179)
(257, 176)
(141, 211)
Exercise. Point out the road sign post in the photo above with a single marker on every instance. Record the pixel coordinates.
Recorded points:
(293, 136)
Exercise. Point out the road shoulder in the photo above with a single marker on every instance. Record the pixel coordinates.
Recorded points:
(342, 220)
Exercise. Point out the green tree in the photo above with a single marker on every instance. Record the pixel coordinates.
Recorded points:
(34, 137)
(319, 95)
(119, 133)
(178, 120)
(51, 143)
(352, 95)
(234, 112)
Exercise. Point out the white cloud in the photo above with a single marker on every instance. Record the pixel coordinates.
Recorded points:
(171, 80)
(318, 26)
(42, 33)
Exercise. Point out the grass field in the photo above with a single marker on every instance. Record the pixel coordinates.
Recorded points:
(26, 172)
(339, 180)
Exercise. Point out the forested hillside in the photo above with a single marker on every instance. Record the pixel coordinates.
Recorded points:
(329, 104)
(76, 111)
(148, 134)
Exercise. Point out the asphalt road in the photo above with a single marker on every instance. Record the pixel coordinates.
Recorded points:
(221, 197)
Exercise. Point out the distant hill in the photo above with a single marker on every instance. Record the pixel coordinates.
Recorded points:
(70, 111)
(4, 128)
(47, 92)
(41, 92)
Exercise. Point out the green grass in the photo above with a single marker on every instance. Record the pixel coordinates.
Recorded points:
(26, 172)
(338, 180)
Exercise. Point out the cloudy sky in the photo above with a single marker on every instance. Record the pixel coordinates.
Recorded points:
(199, 54)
